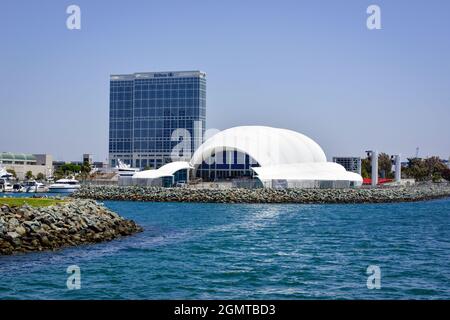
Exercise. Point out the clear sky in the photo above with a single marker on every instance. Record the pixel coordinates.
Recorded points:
(310, 66)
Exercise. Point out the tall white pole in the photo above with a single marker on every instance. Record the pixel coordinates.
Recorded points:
(374, 168)
(398, 168)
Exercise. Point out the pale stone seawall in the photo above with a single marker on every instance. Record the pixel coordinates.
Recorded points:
(156, 194)
(75, 222)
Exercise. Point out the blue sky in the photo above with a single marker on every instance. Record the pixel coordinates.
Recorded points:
(310, 66)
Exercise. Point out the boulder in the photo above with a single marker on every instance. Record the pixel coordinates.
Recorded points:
(21, 231)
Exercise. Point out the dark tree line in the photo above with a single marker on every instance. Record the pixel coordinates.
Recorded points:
(429, 169)
(71, 169)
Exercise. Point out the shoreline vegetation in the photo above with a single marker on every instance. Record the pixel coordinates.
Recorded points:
(35, 202)
(50, 224)
(307, 196)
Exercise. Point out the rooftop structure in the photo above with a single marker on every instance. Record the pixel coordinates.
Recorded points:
(17, 158)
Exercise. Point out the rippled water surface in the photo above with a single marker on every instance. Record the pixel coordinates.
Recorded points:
(207, 251)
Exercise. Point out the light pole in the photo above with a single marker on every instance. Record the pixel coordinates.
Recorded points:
(397, 161)
(373, 156)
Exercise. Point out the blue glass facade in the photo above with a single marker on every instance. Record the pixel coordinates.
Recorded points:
(226, 165)
(145, 110)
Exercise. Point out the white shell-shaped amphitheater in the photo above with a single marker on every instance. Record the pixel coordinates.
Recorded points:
(284, 157)
(280, 158)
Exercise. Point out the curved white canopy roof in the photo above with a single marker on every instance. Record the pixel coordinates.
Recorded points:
(266, 145)
(326, 171)
(166, 170)
(281, 154)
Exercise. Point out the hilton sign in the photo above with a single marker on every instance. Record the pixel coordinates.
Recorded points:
(163, 75)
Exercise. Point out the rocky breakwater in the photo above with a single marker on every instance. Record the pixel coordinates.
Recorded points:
(400, 194)
(74, 222)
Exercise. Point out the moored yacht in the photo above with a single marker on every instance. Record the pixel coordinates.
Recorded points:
(17, 187)
(125, 170)
(5, 186)
(4, 174)
(34, 186)
(64, 186)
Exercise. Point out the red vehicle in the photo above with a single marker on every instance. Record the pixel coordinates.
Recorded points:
(367, 181)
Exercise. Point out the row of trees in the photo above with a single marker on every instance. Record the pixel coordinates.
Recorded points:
(71, 169)
(28, 175)
(68, 169)
(429, 169)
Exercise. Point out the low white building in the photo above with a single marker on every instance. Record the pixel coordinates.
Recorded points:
(22, 163)
(166, 176)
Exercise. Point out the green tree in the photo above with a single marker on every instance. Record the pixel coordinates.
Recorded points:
(13, 172)
(385, 166)
(29, 175)
(85, 170)
(416, 169)
(435, 168)
(40, 176)
(69, 169)
(58, 174)
(436, 177)
(430, 169)
(366, 168)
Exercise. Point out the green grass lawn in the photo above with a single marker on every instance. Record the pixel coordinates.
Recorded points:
(33, 202)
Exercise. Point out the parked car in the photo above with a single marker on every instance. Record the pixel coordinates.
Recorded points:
(181, 184)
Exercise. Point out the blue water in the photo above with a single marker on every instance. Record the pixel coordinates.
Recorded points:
(209, 251)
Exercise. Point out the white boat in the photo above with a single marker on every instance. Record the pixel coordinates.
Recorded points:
(33, 186)
(125, 170)
(64, 186)
(5, 174)
(19, 188)
(5, 186)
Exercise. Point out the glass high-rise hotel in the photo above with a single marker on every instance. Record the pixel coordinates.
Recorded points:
(146, 108)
